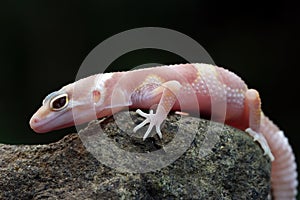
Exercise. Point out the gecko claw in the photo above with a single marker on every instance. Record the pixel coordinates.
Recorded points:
(158, 132)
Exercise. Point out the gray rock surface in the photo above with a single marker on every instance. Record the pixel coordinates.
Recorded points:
(224, 164)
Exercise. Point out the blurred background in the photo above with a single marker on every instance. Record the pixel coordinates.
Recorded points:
(43, 43)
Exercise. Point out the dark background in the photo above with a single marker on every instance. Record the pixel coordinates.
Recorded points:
(43, 43)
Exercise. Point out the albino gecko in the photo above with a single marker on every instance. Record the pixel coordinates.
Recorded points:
(102, 95)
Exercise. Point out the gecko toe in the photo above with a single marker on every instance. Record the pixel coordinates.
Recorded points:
(262, 141)
(150, 118)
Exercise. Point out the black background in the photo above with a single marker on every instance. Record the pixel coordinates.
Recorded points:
(43, 43)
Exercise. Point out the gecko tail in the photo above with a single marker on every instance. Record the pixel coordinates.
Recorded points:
(284, 167)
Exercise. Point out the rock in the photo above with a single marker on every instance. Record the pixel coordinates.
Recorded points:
(211, 162)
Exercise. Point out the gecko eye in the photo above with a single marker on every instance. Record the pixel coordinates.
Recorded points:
(59, 102)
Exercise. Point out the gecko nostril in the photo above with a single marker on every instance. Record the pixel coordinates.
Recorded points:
(35, 124)
(34, 120)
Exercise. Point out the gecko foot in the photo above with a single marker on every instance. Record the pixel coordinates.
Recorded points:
(262, 141)
(150, 118)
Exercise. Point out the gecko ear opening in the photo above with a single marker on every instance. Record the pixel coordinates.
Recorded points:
(59, 102)
(96, 96)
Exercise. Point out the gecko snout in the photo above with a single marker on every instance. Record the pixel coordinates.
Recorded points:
(33, 121)
(35, 124)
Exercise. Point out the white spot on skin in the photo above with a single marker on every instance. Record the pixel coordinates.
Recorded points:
(153, 79)
(208, 83)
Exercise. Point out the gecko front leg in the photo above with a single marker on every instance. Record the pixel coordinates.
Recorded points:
(168, 91)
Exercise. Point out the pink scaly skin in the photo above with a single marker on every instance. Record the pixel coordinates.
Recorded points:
(104, 94)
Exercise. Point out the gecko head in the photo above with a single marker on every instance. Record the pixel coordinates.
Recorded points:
(53, 114)
(76, 103)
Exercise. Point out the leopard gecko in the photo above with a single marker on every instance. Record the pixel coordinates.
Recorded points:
(103, 94)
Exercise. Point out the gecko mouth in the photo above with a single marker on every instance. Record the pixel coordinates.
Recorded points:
(57, 122)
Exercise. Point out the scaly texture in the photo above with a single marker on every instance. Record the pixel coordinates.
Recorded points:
(193, 88)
